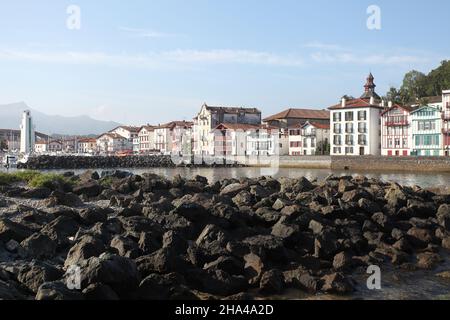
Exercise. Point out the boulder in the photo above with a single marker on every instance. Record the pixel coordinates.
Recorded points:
(125, 246)
(90, 189)
(272, 282)
(92, 215)
(39, 246)
(119, 273)
(57, 290)
(443, 216)
(254, 267)
(35, 274)
(64, 199)
(100, 292)
(12, 230)
(336, 283)
(428, 260)
(86, 247)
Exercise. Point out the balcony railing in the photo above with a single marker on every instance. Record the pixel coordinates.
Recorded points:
(394, 123)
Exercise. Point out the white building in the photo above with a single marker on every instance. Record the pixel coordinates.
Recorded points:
(236, 139)
(163, 138)
(181, 135)
(146, 136)
(55, 146)
(309, 139)
(210, 117)
(41, 146)
(112, 143)
(27, 134)
(87, 146)
(356, 124)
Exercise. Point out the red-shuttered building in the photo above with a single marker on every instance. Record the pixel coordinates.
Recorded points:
(396, 131)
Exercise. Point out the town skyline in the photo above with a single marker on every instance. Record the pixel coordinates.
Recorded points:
(250, 55)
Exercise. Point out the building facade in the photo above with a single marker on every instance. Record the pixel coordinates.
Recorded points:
(87, 146)
(292, 118)
(426, 123)
(210, 117)
(112, 143)
(356, 124)
(235, 139)
(55, 146)
(146, 136)
(309, 139)
(181, 135)
(446, 122)
(41, 146)
(396, 131)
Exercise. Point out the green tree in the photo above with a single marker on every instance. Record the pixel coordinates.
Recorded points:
(414, 86)
(323, 148)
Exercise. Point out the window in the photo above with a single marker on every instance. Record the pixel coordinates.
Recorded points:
(349, 140)
(349, 150)
(397, 142)
(362, 139)
(337, 117)
(337, 150)
(349, 116)
(337, 140)
(337, 128)
(362, 127)
(349, 127)
(362, 115)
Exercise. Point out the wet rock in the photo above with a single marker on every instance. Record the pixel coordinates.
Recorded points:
(272, 282)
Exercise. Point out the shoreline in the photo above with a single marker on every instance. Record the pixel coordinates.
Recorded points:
(150, 237)
(344, 163)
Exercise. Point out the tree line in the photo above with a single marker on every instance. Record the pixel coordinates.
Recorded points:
(417, 86)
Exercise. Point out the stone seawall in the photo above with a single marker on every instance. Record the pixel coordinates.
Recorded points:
(406, 164)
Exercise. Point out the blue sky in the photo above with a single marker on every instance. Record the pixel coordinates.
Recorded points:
(154, 61)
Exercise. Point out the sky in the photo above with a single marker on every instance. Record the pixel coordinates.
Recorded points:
(154, 61)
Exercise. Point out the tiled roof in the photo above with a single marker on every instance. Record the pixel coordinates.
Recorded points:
(87, 140)
(243, 126)
(173, 124)
(127, 128)
(231, 109)
(147, 127)
(319, 125)
(395, 106)
(111, 135)
(356, 103)
(300, 114)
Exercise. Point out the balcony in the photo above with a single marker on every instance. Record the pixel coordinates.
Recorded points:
(446, 116)
(396, 123)
(446, 131)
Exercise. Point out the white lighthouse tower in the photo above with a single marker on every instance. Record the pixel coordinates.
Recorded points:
(27, 136)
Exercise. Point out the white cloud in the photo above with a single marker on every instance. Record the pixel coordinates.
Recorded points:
(145, 33)
(323, 46)
(367, 59)
(155, 59)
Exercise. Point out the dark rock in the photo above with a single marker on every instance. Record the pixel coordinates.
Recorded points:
(301, 279)
(126, 247)
(37, 193)
(420, 237)
(254, 267)
(233, 189)
(39, 246)
(428, 260)
(342, 261)
(443, 216)
(99, 292)
(60, 229)
(120, 273)
(272, 282)
(63, 198)
(35, 274)
(12, 230)
(336, 283)
(230, 265)
(161, 261)
(57, 290)
(91, 215)
(86, 247)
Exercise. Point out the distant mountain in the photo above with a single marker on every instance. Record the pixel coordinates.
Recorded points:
(11, 114)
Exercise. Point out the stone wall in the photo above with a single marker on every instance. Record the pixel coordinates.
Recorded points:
(361, 163)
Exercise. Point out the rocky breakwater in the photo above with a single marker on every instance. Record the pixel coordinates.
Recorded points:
(147, 237)
(96, 162)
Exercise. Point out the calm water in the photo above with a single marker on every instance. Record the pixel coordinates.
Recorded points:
(423, 179)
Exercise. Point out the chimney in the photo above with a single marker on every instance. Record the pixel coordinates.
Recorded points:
(343, 102)
(372, 101)
(390, 104)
